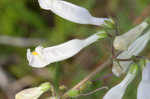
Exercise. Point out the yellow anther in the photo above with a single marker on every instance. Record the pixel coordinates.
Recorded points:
(35, 53)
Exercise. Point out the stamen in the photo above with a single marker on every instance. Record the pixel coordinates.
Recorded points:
(35, 53)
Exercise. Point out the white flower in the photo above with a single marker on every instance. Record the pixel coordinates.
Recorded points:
(122, 42)
(44, 56)
(134, 49)
(33, 93)
(144, 86)
(118, 91)
(70, 12)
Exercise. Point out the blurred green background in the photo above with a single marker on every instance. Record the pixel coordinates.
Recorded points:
(25, 19)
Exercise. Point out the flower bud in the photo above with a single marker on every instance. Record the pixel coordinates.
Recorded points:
(71, 12)
(73, 93)
(33, 93)
(118, 91)
(134, 49)
(52, 98)
(123, 41)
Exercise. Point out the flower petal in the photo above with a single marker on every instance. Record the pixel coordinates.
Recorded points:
(134, 49)
(144, 86)
(122, 42)
(118, 91)
(45, 56)
(71, 12)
